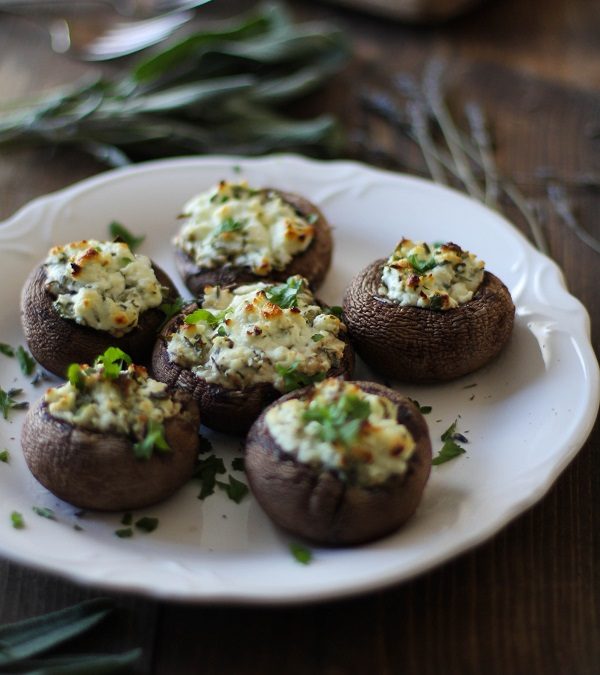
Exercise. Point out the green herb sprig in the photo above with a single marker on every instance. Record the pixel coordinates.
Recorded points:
(113, 360)
(212, 319)
(338, 421)
(119, 231)
(165, 104)
(294, 378)
(301, 554)
(8, 401)
(450, 448)
(285, 295)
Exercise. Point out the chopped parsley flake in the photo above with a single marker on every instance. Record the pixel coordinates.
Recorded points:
(119, 231)
(155, 439)
(17, 520)
(294, 379)
(229, 225)
(423, 409)
(317, 337)
(44, 512)
(285, 295)
(124, 533)
(75, 376)
(340, 421)
(237, 464)
(301, 554)
(113, 361)
(127, 519)
(147, 524)
(8, 402)
(450, 449)
(421, 266)
(7, 350)
(4, 456)
(235, 489)
(206, 471)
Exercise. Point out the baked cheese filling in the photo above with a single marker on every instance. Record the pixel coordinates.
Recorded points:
(341, 428)
(436, 276)
(238, 226)
(126, 402)
(256, 333)
(101, 284)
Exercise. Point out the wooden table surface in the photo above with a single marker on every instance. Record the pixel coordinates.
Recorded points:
(528, 600)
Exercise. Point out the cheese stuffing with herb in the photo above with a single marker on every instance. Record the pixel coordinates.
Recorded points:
(341, 428)
(437, 276)
(259, 333)
(126, 402)
(102, 284)
(238, 226)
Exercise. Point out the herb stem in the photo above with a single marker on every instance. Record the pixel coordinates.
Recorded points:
(481, 136)
(562, 206)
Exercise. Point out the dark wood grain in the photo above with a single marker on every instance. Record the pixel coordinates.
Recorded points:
(527, 601)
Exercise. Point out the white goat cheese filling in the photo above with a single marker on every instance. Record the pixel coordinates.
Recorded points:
(341, 428)
(437, 276)
(259, 333)
(101, 284)
(126, 404)
(235, 225)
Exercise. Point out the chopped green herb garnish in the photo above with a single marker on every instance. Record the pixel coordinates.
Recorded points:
(170, 309)
(294, 379)
(7, 350)
(118, 231)
(229, 225)
(77, 527)
(317, 337)
(26, 361)
(237, 464)
(204, 315)
(205, 445)
(125, 261)
(222, 331)
(206, 471)
(449, 451)
(8, 402)
(124, 533)
(285, 295)
(301, 554)
(44, 512)
(113, 361)
(235, 489)
(421, 266)
(236, 168)
(339, 421)
(76, 376)
(17, 520)
(127, 519)
(147, 524)
(312, 218)
(155, 439)
(450, 431)
(423, 409)
(4, 456)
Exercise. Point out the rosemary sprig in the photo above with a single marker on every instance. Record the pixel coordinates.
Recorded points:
(562, 206)
(218, 90)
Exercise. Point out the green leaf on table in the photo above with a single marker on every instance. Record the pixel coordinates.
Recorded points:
(4, 456)
(44, 512)
(147, 524)
(301, 554)
(448, 451)
(206, 472)
(32, 636)
(6, 349)
(18, 523)
(8, 401)
(238, 464)
(26, 362)
(235, 489)
(119, 231)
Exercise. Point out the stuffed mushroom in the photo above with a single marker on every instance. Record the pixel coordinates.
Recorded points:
(235, 234)
(240, 348)
(111, 438)
(428, 313)
(339, 463)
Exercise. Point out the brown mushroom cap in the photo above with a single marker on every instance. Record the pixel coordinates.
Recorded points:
(229, 410)
(56, 342)
(320, 506)
(416, 344)
(95, 470)
(312, 264)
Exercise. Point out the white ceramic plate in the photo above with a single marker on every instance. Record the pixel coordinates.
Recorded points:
(526, 415)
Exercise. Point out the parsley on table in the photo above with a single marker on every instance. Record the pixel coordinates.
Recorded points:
(235, 489)
(294, 379)
(155, 439)
(113, 361)
(237, 464)
(17, 520)
(450, 449)
(124, 533)
(285, 295)
(127, 519)
(206, 471)
(147, 524)
(339, 421)
(8, 402)
(26, 362)
(119, 231)
(204, 315)
(229, 225)
(423, 409)
(4, 456)
(301, 554)
(44, 512)
(7, 350)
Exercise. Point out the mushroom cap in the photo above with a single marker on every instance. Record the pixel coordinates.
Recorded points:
(56, 342)
(229, 410)
(418, 344)
(320, 506)
(312, 263)
(96, 470)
